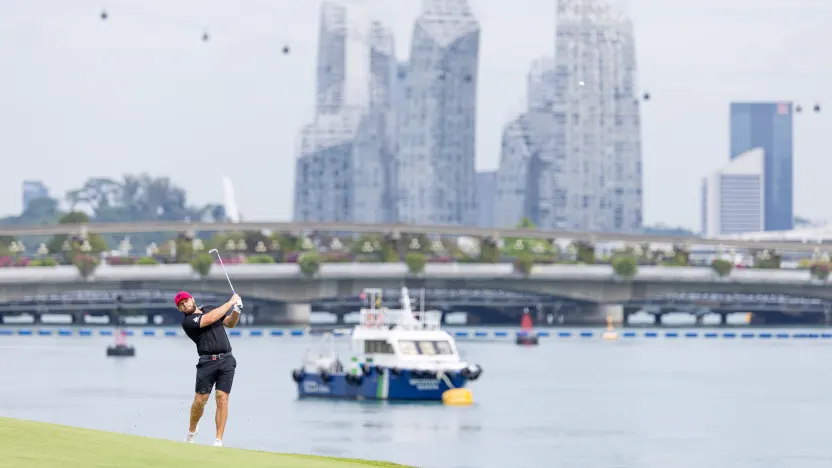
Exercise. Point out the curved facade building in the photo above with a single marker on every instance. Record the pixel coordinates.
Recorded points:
(344, 159)
(597, 103)
(436, 176)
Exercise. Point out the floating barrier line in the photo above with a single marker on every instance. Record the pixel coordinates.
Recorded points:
(461, 335)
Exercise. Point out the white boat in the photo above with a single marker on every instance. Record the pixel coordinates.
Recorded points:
(397, 354)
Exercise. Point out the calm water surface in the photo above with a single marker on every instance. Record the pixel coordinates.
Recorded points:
(636, 403)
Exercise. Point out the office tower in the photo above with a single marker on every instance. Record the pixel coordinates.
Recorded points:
(436, 126)
(344, 164)
(768, 125)
(734, 197)
(32, 190)
(596, 102)
(530, 180)
(486, 192)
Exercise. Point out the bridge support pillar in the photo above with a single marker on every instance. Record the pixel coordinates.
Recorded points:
(297, 313)
(597, 314)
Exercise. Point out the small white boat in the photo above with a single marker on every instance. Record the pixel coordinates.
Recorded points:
(397, 354)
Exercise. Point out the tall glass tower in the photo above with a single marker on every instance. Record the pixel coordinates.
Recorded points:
(768, 125)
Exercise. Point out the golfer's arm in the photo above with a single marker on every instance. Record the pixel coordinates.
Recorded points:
(231, 320)
(214, 315)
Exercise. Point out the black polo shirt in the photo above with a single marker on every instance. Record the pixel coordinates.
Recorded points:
(211, 339)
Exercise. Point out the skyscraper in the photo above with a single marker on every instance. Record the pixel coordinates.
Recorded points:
(486, 191)
(32, 190)
(596, 102)
(436, 126)
(768, 125)
(344, 164)
(531, 179)
(734, 196)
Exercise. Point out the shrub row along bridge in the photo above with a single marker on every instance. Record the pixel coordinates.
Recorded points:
(809, 245)
(592, 291)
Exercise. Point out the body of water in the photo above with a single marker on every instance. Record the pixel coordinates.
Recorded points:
(633, 403)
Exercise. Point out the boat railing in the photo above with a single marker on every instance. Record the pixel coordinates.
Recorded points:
(404, 319)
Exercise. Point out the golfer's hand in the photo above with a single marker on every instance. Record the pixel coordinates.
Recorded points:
(235, 299)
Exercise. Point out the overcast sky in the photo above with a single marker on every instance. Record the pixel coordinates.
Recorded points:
(80, 97)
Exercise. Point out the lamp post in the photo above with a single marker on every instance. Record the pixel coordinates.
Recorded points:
(260, 248)
(152, 249)
(43, 250)
(124, 247)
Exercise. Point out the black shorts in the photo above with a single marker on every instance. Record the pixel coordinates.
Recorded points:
(219, 372)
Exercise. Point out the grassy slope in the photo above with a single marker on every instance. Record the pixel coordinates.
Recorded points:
(27, 444)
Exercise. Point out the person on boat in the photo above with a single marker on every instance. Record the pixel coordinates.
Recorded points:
(216, 366)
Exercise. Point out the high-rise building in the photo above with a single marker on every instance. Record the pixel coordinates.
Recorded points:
(733, 198)
(32, 190)
(768, 125)
(596, 102)
(486, 192)
(345, 157)
(436, 125)
(530, 180)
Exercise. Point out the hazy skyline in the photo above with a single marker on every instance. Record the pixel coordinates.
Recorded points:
(141, 92)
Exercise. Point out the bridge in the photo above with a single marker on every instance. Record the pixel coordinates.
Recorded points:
(808, 244)
(589, 292)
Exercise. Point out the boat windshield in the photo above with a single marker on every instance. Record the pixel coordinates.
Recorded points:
(425, 347)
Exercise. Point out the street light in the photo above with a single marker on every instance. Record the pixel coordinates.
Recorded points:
(260, 247)
(151, 249)
(197, 245)
(85, 246)
(335, 244)
(14, 248)
(124, 246)
(43, 250)
(230, 245)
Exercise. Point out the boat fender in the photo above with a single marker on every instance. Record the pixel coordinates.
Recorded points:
(354, 379)
(465, 373)
(379, 370)
(429, 374)
(476, 373)
(297, 375)
(324, 376)
(395, 372)
(366, 369)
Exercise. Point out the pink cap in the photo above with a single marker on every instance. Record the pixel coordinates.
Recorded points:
(180, 296)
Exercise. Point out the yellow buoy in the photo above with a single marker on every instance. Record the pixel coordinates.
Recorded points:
(610, 334)
(457, 397)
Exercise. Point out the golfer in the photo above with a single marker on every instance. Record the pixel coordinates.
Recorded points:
(204, 325)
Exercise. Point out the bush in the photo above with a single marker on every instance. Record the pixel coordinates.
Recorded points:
(415, 262)
(86, 264)
(625, 266)
(44, 262)
(147, 261)
(202, 264)
(524, 263)
(820, 270)
(489, 252)
(260, 259)
(310, 263)
(722, 267)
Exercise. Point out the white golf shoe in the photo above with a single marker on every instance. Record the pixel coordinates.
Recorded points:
(191, 438)
(218, 443)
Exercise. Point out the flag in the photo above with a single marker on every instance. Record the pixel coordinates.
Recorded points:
(783, 108)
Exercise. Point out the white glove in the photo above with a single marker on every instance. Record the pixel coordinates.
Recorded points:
(239, 305)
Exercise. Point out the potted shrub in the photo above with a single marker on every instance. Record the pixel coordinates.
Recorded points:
(202, 264)
(310, 263)
(523, 263)
(415, 262)
(86, 264)
(722, 267)
(625, 266)
(820, 270)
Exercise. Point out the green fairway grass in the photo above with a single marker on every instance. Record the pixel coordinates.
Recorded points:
(28, 444)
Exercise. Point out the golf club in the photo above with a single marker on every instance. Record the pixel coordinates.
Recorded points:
(223, 269)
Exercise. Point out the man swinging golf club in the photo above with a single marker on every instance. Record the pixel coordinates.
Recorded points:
(204, 325)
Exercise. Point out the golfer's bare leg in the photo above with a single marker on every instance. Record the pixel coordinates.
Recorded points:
(222, 412)
(197, 408)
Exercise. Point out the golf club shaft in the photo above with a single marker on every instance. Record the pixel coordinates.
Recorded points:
(225, 271)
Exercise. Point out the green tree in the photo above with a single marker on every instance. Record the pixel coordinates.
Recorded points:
(71, 246)
(416, 262)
